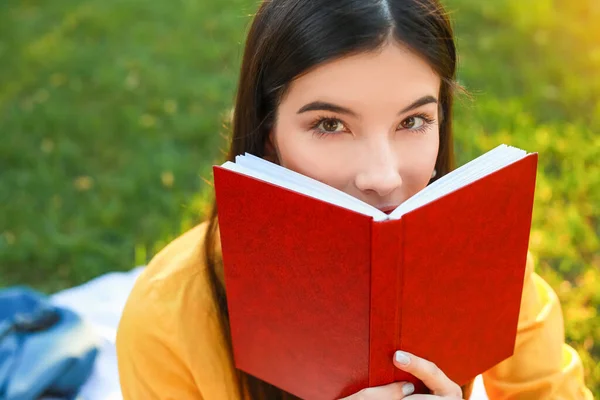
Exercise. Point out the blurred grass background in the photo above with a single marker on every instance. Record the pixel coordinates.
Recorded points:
(111, 113)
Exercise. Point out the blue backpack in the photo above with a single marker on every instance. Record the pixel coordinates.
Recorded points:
(44, 350)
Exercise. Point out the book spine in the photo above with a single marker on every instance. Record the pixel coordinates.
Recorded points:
(386, 293)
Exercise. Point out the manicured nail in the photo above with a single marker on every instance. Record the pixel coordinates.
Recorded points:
(402, 358)
(408, 388)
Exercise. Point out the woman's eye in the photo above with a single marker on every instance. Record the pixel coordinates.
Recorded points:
(330, 125)
(413, 123)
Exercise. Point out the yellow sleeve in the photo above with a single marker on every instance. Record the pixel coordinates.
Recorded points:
(170, 343)
(150, 367)
(542, 366)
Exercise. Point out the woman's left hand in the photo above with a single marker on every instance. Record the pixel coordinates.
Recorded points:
(433, 377)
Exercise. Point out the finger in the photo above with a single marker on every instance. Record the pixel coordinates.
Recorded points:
(393, 391)
(433, 377)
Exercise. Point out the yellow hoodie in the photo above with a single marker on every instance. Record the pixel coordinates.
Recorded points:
(170, 344)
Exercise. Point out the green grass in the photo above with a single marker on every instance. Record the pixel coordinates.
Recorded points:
(111, 113)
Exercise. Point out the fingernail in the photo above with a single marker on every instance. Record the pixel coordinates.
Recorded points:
(408, 388)
(402, 358)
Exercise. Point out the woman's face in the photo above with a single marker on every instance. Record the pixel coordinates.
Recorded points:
(366, 124)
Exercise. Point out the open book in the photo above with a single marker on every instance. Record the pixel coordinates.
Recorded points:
(491, 161)
(322, 288)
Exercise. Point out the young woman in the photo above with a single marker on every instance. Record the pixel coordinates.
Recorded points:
(357, 94)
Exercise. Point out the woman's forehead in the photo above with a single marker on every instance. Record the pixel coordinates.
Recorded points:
(392, 74)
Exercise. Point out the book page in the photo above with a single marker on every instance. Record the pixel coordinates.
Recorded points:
(259, 168)
(472, 171)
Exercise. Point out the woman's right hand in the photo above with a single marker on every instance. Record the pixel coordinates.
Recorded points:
(438, 383)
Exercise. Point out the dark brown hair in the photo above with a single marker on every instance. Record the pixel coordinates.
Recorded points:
(289, 37)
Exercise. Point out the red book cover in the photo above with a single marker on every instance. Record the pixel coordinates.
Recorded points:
(320, 297)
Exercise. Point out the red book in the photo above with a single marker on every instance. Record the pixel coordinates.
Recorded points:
(320, 296)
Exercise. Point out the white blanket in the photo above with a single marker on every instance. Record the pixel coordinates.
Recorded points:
(101, 302)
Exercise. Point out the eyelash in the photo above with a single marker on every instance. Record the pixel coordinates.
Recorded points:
(427, 122)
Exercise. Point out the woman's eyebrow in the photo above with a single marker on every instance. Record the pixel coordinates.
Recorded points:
(324, 106)
(421, 102)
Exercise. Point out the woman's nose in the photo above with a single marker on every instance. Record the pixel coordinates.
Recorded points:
(380, 173)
